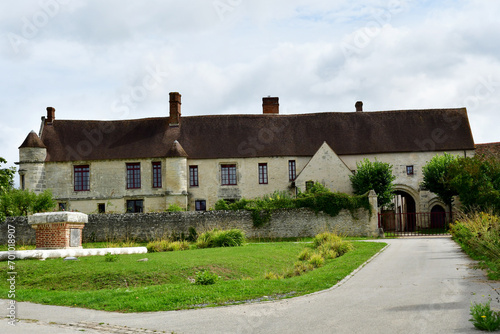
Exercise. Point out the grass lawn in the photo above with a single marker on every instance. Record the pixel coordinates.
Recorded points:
(162, 283)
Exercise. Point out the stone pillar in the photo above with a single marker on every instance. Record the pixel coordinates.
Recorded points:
(373, 230)
(58, 230)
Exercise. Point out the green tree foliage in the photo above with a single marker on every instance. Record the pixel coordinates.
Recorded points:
(377, 176)
(6, 177)
(437, 177)
(18, 202)
(477, 182)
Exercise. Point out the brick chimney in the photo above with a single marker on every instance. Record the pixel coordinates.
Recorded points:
(270, 105)
(51, 114)
(175, 109)
(359, 106)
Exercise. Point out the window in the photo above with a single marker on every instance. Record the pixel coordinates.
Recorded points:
(157, 174)
(263, 173)
(133, 176)
(135, 206)
(81, 178)
(193, 176)
(409, 170)
(62, 206)
(22, 182)
(292, 170)
(101, 208)
(228, 175)
(200, 205)
(309, 185)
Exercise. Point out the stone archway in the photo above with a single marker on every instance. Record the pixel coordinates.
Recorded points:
(406, 209)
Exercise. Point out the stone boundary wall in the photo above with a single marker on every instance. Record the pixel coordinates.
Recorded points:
(150, 226)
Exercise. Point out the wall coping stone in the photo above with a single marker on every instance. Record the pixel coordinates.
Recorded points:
(58, 217)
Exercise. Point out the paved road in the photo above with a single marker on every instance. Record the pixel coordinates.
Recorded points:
(418, 285)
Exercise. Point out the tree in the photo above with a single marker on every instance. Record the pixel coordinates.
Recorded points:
(477, 182)
(6, 177)
(377, 176)
(17, 202)
(437, 177)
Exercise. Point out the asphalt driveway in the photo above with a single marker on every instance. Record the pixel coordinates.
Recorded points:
(416, 285)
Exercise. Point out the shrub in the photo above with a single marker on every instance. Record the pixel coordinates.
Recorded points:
(167, 246)
(221, 205)
(330, 241)
(192, 234)
(299, 268)
(273, 276)
(110, 257)
(316, 260)
(484, 318)
(174, 208)
(205, 277)
(479, 235)
(221, 238)
(305, 255)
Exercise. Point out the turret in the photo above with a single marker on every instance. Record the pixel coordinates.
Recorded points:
(32, 155)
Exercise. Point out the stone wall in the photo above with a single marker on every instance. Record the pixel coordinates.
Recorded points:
(149, 226)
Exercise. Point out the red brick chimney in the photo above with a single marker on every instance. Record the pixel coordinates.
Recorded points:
(51, 114)
(175, 109)
(270, 105)
(359, 106)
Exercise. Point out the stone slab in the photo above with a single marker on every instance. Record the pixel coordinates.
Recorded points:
(62, 253)
(58, 217)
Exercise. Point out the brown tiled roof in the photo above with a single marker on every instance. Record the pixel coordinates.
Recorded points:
(489, 150)
(32, 140)
(236, 136)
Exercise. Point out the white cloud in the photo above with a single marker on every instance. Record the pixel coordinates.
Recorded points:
(89, 56)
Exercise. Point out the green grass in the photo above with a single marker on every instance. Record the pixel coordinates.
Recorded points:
(162, 283)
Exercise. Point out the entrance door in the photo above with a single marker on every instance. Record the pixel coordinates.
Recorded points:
(438, 217)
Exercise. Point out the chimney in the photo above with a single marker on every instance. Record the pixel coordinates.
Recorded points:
(359, 106)
(175, 109)
(51, 114)
(270, 105)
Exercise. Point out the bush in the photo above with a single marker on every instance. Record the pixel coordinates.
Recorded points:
(192, 234)
(305, 255)
(221, 205)
(205, 277)
(272, 276)
(479, 235)
(221, 238)
(484, 318)
(167, 246)
(316, 260)
(110, 257)
(174, 208)
(330, 241)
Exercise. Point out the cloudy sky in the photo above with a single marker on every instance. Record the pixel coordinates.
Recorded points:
(119, 59)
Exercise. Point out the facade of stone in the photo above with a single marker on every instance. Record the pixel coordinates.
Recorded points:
(146, 165)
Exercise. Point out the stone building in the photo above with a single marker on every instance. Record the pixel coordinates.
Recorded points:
(145, 165)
